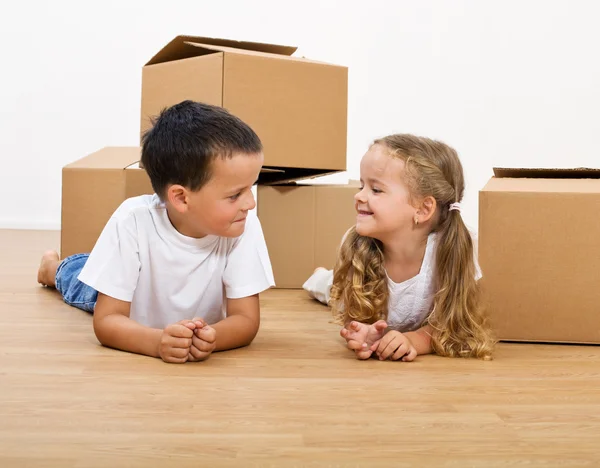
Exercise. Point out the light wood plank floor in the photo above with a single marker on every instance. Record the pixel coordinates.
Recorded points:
(295, 397)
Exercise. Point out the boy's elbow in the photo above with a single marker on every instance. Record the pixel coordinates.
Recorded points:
(106, 329)
(100, 330)
(108, 318)
(251, 331)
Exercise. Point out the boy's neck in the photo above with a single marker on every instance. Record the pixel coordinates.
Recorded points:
(178, 223)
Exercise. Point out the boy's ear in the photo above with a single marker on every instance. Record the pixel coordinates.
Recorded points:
(427, 208)
(177, 196)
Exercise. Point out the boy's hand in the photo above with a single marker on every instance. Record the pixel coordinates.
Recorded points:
(203, 341)
(175, 342)
(361, 337)
(394, 346)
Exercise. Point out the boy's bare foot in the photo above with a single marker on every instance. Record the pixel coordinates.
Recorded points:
(48, 265)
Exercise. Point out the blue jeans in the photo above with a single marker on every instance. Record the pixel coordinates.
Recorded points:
(74, 292)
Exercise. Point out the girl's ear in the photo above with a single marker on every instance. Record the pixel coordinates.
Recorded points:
(426, 209)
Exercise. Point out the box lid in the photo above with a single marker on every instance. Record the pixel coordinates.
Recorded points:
(185, 47)
(547, 173)
(110, 157)
(544, 180)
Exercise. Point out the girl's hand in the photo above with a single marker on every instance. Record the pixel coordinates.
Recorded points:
(360, 337)
(395, 346)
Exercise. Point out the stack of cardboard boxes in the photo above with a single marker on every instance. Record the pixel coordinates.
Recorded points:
(298, 108)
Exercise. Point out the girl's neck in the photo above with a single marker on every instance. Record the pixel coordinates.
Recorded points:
(404, 256)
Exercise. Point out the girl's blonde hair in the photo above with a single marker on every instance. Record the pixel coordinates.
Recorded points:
(360, 288)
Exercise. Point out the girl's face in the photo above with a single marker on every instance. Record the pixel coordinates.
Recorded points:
(383, 205)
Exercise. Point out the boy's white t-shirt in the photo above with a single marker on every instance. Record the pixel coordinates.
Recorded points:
(141, 258)
(409, 302)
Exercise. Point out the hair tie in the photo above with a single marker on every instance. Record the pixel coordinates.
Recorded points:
(454, 206)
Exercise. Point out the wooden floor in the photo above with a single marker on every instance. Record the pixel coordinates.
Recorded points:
(295, 397)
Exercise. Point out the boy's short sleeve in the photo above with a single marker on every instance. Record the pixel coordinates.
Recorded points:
(248, 270)
(113, 267)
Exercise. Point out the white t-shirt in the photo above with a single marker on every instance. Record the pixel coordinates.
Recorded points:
(141, 258)
(409, 302)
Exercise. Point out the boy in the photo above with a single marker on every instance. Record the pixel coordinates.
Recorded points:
(177, 274)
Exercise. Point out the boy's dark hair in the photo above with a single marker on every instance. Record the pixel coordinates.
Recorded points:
(186, 138)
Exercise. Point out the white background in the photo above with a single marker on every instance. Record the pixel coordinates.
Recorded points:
(507, 83)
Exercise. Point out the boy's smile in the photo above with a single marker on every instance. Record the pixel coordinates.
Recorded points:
(221, 206)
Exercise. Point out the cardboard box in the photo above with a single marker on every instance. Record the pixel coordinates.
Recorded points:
(303, 227)
(298, 107)
(92, 189)
(539, 249)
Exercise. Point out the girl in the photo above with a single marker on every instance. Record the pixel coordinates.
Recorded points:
(405, 282)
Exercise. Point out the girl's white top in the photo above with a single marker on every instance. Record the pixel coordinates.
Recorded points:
(410, 301)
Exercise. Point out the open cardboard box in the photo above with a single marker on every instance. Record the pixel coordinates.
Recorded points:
(539, 250)
(298, 107)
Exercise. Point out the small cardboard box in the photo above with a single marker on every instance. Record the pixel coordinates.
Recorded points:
(92, 189)
(298, 107)
(539, 250)
(303, 227)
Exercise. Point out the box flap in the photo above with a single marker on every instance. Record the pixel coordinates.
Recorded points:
(208, 48)
(318, 185)
(110, 157)
(547, 173)
(129, 158)
(180, 48)
(270, 175)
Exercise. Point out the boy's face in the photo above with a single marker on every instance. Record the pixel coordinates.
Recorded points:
(220, 207)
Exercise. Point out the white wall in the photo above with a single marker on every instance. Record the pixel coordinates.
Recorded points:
(507, 83)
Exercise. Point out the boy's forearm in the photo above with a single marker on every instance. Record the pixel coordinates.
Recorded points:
(421, 339)
(234, 332)
(120, 332)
